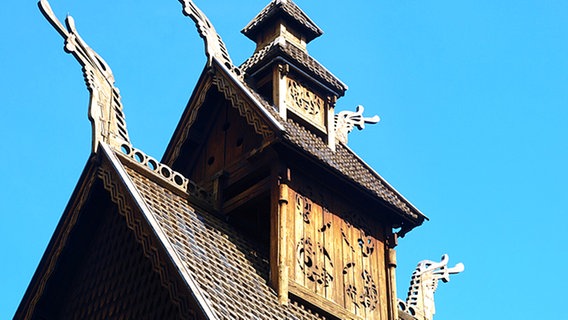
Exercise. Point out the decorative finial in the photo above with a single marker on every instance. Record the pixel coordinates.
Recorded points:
(423, 284)
(214, 46)
(346, 120)
(105, 109)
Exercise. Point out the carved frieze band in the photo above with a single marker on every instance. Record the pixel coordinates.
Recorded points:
(62, 241)
(245, 109)
(194, 111)
(144, 237)
(305, 102)
(174, 178)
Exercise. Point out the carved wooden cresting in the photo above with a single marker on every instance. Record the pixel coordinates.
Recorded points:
(105, 108)
(214, 46)
(335, 253)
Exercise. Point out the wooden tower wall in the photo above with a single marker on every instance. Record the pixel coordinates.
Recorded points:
(331, 250)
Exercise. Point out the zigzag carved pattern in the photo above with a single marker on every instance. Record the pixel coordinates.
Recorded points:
(192, 116)
(60, 246)
(143, 237)
(244, 108)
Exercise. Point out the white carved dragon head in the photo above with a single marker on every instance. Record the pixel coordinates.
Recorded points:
(423, 284)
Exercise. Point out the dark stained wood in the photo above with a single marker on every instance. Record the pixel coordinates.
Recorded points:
(262, 187)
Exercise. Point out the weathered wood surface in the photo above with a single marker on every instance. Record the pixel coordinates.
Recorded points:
(335, 253)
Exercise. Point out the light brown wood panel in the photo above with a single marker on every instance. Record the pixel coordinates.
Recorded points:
(299, 275)
(381, 270)
(338, 256)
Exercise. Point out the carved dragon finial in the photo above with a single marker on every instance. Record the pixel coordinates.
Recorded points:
(214, 46)
(423, 284)
(345, 121)
(105, 108)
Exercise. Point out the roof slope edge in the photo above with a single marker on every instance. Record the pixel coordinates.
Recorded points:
(203, 303)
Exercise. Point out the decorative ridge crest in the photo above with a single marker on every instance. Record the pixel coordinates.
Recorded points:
(345, 121)
(105, 108)
(214, 46)
(424, 282)
(174, 178)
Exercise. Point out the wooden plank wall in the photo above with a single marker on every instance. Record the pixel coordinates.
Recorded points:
(335, 254)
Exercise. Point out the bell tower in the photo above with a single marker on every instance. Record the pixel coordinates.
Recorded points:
(331, 217)
(283, 72)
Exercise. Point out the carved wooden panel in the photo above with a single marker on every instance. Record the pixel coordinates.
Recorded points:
(305, 103)
(335, 253)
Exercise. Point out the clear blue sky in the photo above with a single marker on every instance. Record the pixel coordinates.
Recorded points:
(473, 96)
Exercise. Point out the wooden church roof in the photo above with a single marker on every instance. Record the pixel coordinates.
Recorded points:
(228, 268)
(173, 219)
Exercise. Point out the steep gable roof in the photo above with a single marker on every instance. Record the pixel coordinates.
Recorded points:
(230, 270)
(342, 160)
(104, 172)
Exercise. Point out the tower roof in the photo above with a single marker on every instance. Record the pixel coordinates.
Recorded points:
(287, 10)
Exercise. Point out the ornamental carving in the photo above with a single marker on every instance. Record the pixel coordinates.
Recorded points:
(320, 274)
(345, 121)
(423, 285)
(336, 255)
(105, 107)
(305, 102)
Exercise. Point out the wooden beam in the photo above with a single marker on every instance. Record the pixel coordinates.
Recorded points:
(324, 304)
(253, 192)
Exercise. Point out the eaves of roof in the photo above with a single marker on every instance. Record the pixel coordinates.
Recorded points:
(287, 9)
(298, 57)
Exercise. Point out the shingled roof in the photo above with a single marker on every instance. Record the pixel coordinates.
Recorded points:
(230, 270)
(288, 10)
(301, 57)
(342, 160)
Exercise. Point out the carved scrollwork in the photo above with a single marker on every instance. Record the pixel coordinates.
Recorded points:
(306, 254)
(214, 45)
(424, 283)
(105, 108)
(335, 254)
(305, 101)
(367, 296)
(304, 208)
(365, 244)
